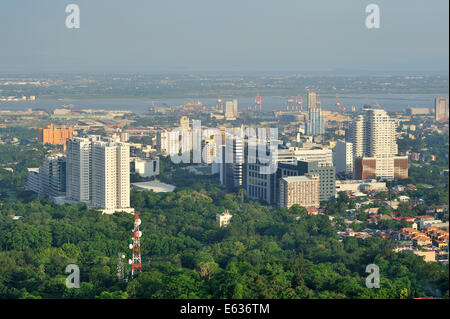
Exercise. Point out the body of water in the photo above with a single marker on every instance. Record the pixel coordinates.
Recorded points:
(390, 102)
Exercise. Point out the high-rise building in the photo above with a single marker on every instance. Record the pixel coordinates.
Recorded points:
(267, 186)
(98, 173)
(316, 122)
(343, 157)
(327, 174)
(174, 142)
(232, 162)
(55, 136)
(373, 135)
(231, 110)
(441, 109)
(312, 100)
(184, 122)
(301, 190)
(52, 176)
(79, 169)
(49, 180)
(33, 181)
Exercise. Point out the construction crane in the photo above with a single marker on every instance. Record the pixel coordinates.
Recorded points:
(258, 103)
(219, 103)
(290, 104)
(299, 102)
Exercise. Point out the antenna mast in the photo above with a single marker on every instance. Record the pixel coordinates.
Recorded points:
(136, 265)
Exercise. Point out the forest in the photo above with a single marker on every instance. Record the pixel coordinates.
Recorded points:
(263, 253)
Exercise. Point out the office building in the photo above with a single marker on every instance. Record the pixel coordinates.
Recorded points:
(343, 157)
(33, 181)
(316, 122)
(327, 175)
(300, 190)
(267, 186)
(49, 180)
(232, 156)
(52, 176)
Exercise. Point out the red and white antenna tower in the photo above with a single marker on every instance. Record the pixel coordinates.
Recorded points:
(258, 103)
(299, 102)
(135, 262)
(290, 104)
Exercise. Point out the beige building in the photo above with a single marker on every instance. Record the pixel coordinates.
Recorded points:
(231, 110)
(441, 109)
(301, 190)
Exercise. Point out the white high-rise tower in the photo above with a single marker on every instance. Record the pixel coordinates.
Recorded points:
(98, 173)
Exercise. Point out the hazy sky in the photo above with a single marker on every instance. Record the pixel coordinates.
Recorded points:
(224, 36)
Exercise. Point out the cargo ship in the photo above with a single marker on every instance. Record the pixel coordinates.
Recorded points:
(198, 103)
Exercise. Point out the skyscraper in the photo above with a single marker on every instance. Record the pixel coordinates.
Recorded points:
(98, 173)
(343, 157)
(316, 122)
(232, 161)
(312, 100)
(441, 109)
(374, 145)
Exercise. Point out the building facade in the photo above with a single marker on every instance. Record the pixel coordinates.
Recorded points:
(441, 109)
(98, 173)
(54, 136)
(343, 157)
(300, 190)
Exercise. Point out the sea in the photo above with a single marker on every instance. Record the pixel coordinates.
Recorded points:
(390, 102)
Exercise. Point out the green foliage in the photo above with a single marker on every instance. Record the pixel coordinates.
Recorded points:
(263, 253)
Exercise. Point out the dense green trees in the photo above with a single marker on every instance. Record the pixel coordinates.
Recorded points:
(263, 253)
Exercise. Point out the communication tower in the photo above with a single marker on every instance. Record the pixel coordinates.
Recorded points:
(136, 265)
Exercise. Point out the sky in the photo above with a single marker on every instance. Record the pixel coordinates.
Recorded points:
(225, 36)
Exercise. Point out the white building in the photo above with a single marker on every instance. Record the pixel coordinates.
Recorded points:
(343, 157)
(231, 110)
(145, 167)
(373, 136)
(78, 169)
(98, 173)
(322, 155)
